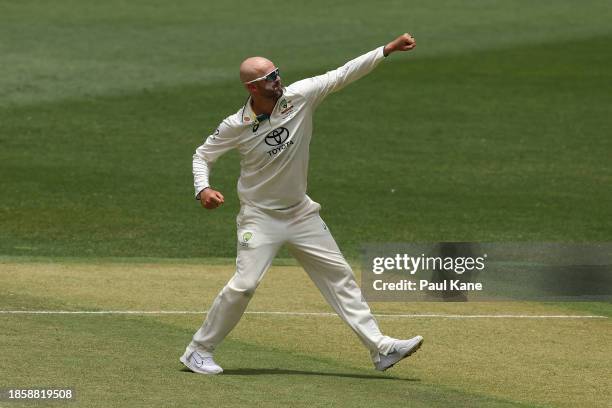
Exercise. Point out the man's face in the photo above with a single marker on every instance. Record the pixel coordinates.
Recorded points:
(261, 77)
(269, 89)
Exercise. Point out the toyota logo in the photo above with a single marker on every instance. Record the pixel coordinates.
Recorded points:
(277, 136)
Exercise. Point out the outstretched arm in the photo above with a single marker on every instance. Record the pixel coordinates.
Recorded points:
(318, 87)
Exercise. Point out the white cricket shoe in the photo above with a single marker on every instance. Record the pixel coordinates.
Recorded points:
(401, 349)
(200, 364)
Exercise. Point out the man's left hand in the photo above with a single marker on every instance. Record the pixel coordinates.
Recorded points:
(404, 42)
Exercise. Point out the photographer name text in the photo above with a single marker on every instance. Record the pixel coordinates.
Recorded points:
(425, 285)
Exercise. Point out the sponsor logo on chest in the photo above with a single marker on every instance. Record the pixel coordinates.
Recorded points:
(277, 139)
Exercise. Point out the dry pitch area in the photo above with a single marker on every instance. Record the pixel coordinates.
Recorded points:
(283, 359)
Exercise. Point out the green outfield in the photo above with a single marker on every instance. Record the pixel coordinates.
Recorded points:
(496, 128)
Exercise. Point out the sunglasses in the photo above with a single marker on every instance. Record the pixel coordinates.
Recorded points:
(271, 77)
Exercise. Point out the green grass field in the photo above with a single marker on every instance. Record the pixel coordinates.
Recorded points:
(280, 360)
(496, 128)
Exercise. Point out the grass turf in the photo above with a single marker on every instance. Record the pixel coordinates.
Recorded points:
(140, 356)
(116, 360)
(495, 128)
(471, 137)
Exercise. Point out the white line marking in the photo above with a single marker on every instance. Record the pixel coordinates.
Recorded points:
(319, 314)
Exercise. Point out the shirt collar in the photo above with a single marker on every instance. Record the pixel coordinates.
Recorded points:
(249, 117)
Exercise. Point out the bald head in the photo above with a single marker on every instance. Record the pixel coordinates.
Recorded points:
(255, 67)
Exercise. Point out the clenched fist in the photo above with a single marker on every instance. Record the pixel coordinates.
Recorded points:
(404, 42)
(211, 199)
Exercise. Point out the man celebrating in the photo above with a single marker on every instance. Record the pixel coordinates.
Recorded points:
(272, 132)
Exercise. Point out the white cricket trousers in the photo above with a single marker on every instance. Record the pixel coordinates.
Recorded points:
(261, 233)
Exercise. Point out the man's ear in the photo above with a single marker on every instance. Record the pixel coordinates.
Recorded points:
(252, 88)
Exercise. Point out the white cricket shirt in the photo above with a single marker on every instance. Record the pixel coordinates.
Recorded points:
(274, 165)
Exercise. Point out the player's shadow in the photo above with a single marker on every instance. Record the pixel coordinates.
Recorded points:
(280, 371)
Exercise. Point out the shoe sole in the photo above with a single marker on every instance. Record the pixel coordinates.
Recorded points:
(408, 354)
(195, 370)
